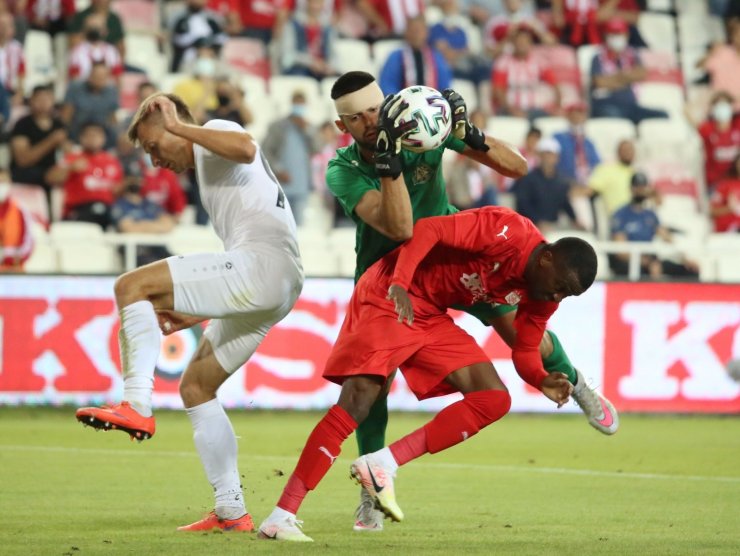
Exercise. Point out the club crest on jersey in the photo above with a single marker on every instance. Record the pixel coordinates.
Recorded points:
(513, 298)
(473, 283)
(422, 174)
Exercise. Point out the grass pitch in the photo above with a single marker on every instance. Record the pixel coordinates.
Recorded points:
(527, 485)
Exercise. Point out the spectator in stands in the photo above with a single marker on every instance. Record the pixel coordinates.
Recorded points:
(720, 133)
(94, 48)
(16, 241)
(723, 63)
(133, 213)
(130, 155)
(611, 180)
(415, 63)
(113, 26)
(92, 100)
(308, 43)
(198, 90)
(35, 140)
(13, 66)
(449, 37)
(482, 11)
(256, 19)
(517, 78)
(91, 178)
(500, 29)
(162, 187)
(578, 155)
(725, 201)
(615, 69)
(543, 194)
(388, 18)
(196, 27)
(289, 145)
(636, 222)
(470, 184)
(52, 17)
(328, 138)
(629, 12)
(577, 21)
(231, 104)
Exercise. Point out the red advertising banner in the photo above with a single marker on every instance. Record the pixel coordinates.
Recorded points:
(652, 347)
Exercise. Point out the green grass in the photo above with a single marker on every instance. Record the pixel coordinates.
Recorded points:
(527, 485)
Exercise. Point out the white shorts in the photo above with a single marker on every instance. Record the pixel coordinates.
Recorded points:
(244, 293)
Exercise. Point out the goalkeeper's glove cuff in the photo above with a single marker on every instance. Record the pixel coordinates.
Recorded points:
(476, 139)
(388, 165)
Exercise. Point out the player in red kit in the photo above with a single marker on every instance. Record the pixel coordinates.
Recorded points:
(490, 255)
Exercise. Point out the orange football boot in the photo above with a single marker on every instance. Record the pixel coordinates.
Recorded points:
(118, 417)
(212, 521)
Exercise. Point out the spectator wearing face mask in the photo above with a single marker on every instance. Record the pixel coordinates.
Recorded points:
(113, 26)
(92, 49)
(615, 68)
(192, 29)
(16, 241)
(720, 133)
(231, 105)
(289, 145)
(308, 43)
(198, 90)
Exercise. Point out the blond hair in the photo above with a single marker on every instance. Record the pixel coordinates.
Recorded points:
(144, 112)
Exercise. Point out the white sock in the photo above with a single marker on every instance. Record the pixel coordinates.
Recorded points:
(216, 444)
(385, 458)
(279, 514)
(139, 341)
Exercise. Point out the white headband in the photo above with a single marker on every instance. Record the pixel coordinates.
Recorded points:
(359, 101)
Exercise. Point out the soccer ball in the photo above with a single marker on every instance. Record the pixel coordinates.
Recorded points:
(428, 107)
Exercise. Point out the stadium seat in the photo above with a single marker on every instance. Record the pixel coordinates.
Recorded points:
(511, 130)
(551, 125)
(343, 239)
(724, 243)
(561, 59)
(382, 48)
(43, 259)
(602, 272)
(68, 230)
(658, 30)
(319, 261)
(690, 57)
(353, 54)
(129, 90)
(347, 264)
(281, 89)
(728, 270)
(672, 177)
(40, 64)
(33, 199)
(468, 91)
(485, 100)
(138, 15)
(247, 56)
(606, 133)
(255, 89)
(694, 30)
(585, 55)
(83, 257)
(664, 96)
(662, 66)
(690, 7)
(168, 81)
(142, 51)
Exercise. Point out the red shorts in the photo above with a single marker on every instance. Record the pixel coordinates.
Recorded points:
(373, 342)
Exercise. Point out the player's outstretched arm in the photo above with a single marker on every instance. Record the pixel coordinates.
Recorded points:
(404, 309)
(495, 154)
(237, 146)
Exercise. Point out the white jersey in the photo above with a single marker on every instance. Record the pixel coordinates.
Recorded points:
(246, 204)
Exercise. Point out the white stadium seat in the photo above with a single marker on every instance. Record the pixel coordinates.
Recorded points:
(658, 30)
(88, 258)
(281, 89)
(664, 96)
(353, 54)
(468, 91)
(586, 55)
(606, 133)
(68, 230)
(510, 130)
(168, 81)
(184, 240)
(381, 50)
(40, 64)
(43, 259)
(551, 125)
(143, 51)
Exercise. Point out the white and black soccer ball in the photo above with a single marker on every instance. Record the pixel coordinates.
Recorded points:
(428, 107)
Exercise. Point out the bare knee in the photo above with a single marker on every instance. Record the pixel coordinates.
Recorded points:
(194, 392)
(129, 288)
(359, 394)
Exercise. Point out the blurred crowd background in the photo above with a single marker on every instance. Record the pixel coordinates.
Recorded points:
(628, 112)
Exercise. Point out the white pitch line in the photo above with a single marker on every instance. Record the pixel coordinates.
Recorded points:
(473, 466)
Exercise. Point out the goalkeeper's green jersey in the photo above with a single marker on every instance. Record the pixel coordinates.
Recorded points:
(349, 177)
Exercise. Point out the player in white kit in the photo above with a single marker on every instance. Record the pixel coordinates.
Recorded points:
(244, 291)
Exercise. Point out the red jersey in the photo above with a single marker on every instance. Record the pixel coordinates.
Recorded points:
(727, 194)
(253, 13)
(521, 77)
(475, 256)
(720, 148)
(97, 182)
(162, 187)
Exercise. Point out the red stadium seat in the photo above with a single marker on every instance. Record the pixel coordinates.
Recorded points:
(138, 15)
(672, 178)
(662, 66)
(247, 56)
(33, 199)
(562, 60)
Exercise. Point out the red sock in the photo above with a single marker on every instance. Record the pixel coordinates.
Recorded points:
(461, 420)
(410, 446)
(321, 449)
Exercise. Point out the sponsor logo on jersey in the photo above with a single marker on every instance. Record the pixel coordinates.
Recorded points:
(422, 174)
(513, 298)
(474, 284)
